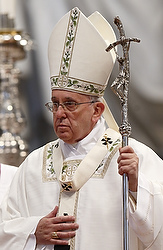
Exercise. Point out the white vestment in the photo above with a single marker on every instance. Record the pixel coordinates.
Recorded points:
(7, 173)
(35, 192)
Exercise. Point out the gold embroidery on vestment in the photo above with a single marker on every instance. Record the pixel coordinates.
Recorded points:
(48, 172)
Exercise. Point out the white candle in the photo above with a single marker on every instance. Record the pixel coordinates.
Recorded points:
(8, 7)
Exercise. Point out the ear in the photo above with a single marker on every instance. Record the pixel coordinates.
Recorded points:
(98, 110)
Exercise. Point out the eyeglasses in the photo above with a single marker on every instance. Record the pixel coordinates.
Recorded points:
(70, 106)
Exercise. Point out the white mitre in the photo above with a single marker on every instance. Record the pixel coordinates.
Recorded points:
(78, 60)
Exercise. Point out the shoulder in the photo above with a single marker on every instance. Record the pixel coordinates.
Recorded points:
(35, 158)
(141, 148)
(40, 151)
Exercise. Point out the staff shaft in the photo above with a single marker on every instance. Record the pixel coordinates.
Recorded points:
(125, 203)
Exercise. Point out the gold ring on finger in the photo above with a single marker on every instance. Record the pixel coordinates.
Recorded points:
(54, 235)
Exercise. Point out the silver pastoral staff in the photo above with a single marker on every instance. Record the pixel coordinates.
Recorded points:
(120, 87)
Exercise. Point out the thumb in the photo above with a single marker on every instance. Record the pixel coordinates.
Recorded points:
(53, 212)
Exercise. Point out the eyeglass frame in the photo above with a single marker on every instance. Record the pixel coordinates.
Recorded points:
(63, 105)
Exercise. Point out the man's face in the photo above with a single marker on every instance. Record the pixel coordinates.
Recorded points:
(72, 126)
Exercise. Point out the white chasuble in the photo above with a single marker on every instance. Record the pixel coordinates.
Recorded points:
(38, 187)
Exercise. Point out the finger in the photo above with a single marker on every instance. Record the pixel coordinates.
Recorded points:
(126, 149)
(125, 155)
(130, 157)
(63, 219)
(58, 242)
(66, 235)
(65, 227)
(129, 169)
(53, 213)
(127, 163)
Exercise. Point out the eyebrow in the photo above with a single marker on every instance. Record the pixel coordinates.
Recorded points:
(54, 99)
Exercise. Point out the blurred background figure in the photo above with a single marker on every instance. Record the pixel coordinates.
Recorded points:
(141, 19)
(7, 173)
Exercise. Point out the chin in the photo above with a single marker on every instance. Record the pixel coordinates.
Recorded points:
(63, 136)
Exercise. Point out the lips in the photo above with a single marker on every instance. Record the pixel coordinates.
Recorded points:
(62, 127)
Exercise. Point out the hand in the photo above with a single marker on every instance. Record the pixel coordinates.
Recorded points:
(65, 227)
(128, 164)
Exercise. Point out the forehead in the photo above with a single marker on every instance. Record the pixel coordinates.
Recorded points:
(63, 94)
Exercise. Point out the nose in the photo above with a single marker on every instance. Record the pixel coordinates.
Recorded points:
(60, 112)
